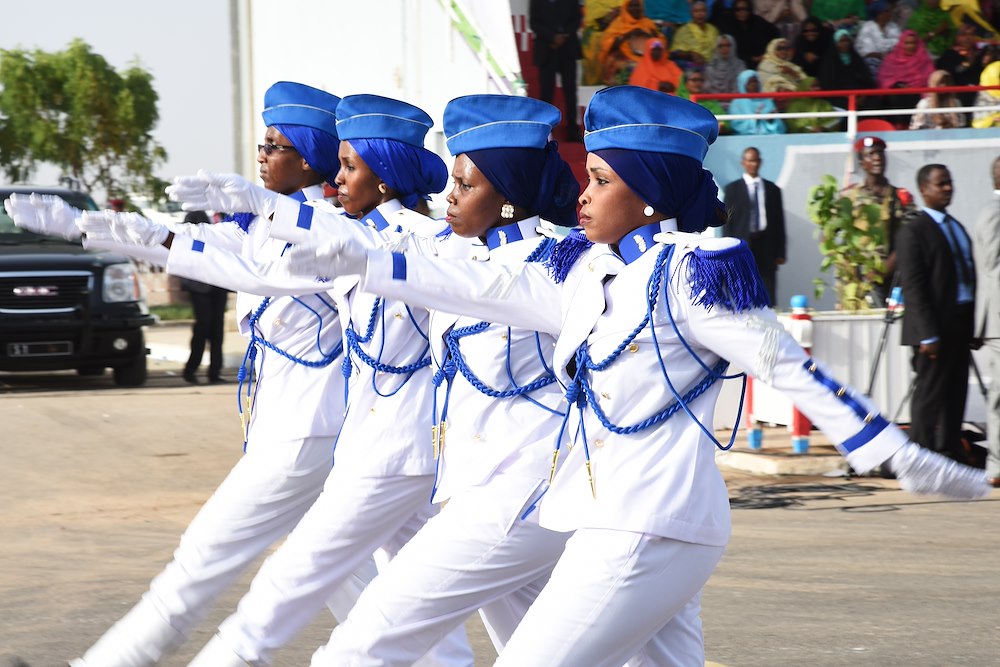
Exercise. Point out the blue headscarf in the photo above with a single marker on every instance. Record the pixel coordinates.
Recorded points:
(319, 148)
(674, 185)
(536, 179)
(413, 173)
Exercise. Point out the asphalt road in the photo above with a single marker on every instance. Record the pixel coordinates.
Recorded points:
(98, 483)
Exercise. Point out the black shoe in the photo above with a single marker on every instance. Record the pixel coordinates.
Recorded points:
(219, 380)
(190, 378)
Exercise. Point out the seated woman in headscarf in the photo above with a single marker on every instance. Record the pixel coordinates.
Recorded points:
(843, 68)
(877, 37)
(656, 70)
(776, 72)
(747, 82)
(814, 40)
(933, 25)
(694, 81)
(811, 105)
(624, 41)
(724, 67)
(752, 33)
(694, 42)
(988, 98)
(908, 65)
(937, 121)
(597, 16)
(786, 15)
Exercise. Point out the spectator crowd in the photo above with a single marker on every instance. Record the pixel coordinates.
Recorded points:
(692, 47)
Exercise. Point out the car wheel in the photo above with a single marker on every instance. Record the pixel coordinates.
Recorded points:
(91, 371)
(132, 374)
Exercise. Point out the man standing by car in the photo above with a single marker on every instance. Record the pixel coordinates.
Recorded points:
(209, 305)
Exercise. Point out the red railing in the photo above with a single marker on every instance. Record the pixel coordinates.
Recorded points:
(851, 113)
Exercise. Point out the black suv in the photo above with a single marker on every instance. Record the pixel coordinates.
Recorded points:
(64, 307)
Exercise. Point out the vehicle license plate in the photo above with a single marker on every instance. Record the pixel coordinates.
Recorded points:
(52, 348)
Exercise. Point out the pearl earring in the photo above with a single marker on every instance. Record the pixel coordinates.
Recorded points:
(648, 211)
(507, 210)
(382, 188)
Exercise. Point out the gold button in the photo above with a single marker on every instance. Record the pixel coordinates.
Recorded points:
(633, 347)
(276, 322)
(399, 316)
(606, 395)
(477, 437)
(590, 267)
(503, 336)
(371, 410)
(598, 443)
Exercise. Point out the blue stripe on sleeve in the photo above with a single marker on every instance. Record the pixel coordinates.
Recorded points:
(305, 219)
(865, 435)
(398, 266)
(198, 246)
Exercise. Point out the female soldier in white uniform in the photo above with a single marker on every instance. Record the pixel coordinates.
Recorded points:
(497, 403)
(641, 351)
(377, 493)
(295, 419)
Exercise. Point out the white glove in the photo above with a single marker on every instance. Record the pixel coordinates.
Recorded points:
(331, 259)
(139, 230)
(96, 226)
(43, 214)
(221, 192)
(922, 471)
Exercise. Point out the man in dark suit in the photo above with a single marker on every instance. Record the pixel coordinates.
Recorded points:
(938, 277)
(757, 215)
(556, 50)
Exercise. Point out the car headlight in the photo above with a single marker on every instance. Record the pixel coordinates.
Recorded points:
(121, 283)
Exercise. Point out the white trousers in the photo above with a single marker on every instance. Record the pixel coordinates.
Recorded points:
(259, 502)
(352, 518)
(993, 409)
(475, 553)
(617, 596)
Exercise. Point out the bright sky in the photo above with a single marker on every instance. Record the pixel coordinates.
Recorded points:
(183, 43)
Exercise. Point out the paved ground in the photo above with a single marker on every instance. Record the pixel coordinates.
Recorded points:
(98, 482)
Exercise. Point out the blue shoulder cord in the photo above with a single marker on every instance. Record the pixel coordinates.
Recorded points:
(354, 342)
(455, 362)
(257, 341)
(580, 393)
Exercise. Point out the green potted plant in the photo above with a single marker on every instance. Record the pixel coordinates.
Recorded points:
(852, 242)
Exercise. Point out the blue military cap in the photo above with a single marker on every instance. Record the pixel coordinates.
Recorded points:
(290, 103)
(478, 122)
(377, 117)
(641, 119)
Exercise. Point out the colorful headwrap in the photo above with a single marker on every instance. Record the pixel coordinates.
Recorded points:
(656, 143)
(307, 118)
(507, 138)
(389, 135)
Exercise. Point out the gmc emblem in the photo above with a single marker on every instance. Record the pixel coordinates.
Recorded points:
(36, 290)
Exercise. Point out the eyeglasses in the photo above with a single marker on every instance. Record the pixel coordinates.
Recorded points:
(270, 148)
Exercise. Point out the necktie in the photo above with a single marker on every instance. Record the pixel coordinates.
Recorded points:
(962, 266)
(754, 209)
